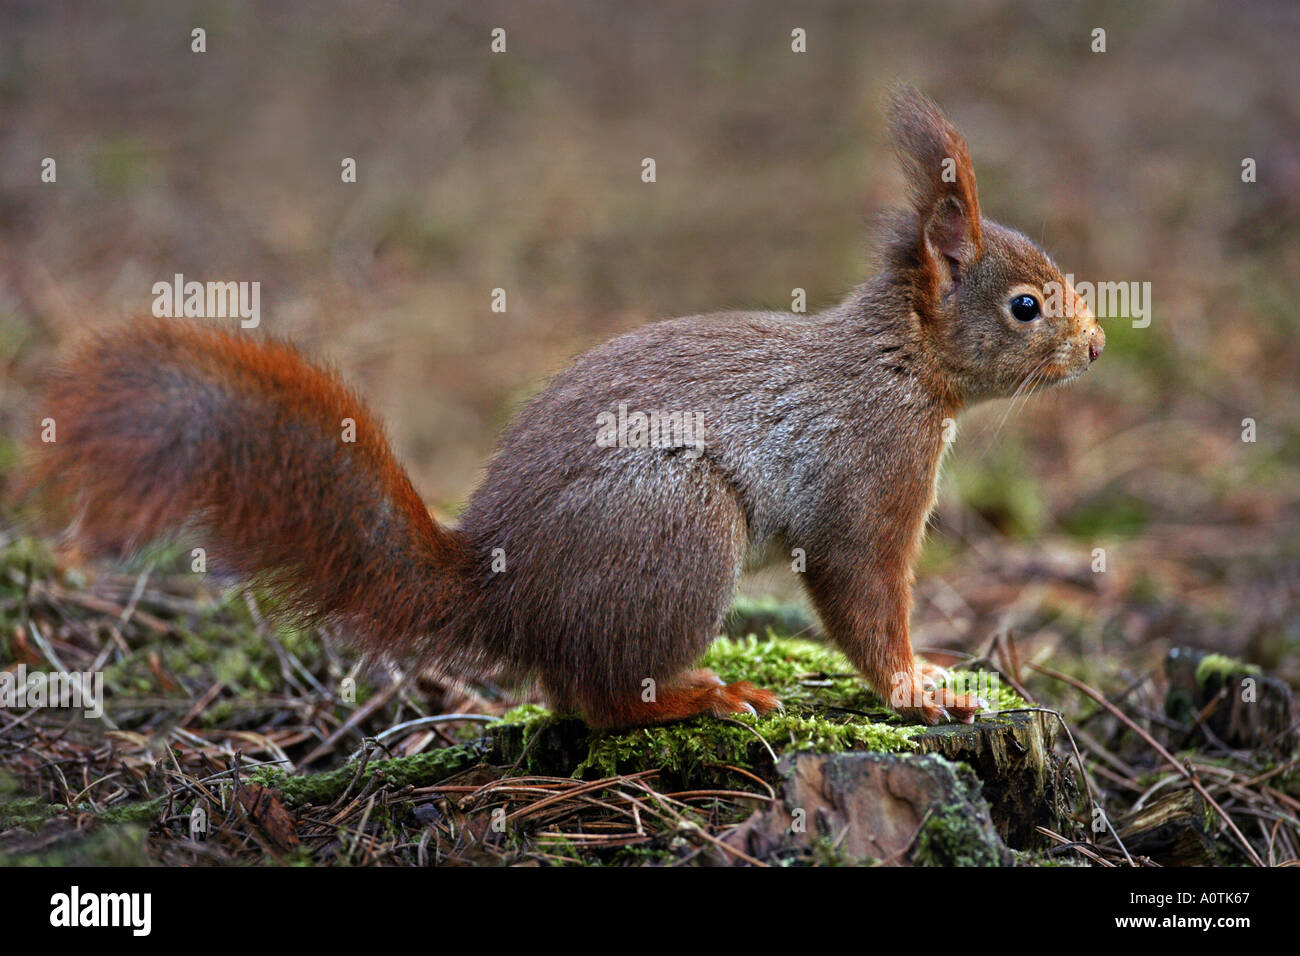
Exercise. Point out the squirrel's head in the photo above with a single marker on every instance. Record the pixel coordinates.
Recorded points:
(993, 313)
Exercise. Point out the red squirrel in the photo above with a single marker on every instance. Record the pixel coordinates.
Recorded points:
(593, 562)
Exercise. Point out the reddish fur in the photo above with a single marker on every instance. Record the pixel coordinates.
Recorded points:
(946, 212)
(175, 424)
(696, 693)
(242, 440)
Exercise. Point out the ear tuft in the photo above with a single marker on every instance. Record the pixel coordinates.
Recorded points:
(940, 177)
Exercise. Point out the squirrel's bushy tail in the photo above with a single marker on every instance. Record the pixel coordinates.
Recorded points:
(276, 466)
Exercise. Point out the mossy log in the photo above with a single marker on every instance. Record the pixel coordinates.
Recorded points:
(1012, 753)
(551, 747)
(1236, 702)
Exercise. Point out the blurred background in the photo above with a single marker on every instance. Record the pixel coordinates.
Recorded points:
(521, 170)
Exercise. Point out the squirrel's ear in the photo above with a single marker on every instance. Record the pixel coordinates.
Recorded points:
(941, 182)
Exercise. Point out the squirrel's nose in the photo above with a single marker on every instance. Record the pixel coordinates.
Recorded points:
(1097, 343)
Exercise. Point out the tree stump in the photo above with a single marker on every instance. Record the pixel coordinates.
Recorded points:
(1172, 831)
(860, 807)
(1012, 753)
(1237, 703)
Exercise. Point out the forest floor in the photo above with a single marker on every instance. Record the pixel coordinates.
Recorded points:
(228, 739)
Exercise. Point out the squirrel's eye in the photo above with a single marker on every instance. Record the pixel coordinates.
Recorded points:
(1025, 308)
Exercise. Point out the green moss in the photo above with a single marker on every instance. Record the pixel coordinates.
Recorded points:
(529, 716)
(232, 667)
(144, 812)
(300, 642)
(689, 748)
(777, 662)
(25, 811)
(806, 675)
(532, 740)
(683, 748)
(125, 845)
(808, 672)
(794, 731)
(29, 811)
(28, 556)
(986, 684)
(957, 834)
(951, 837)
(217, 714)
(421, 769)
(827, 709)
(1222, 666)
(643, 855)
(798, 671)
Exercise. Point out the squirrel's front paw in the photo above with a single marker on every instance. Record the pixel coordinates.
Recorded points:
(932, 675)
(932, 705)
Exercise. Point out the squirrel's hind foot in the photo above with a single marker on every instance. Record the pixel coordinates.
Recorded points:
(743, 697)
(693, 694)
